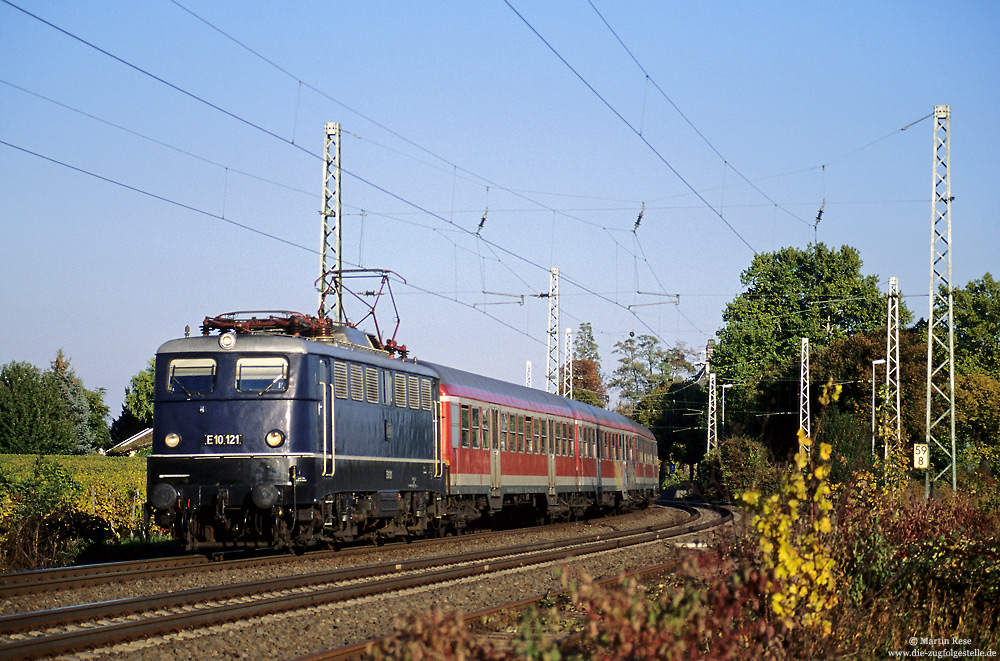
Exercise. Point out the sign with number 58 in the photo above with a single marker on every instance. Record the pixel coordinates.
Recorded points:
(921, 456)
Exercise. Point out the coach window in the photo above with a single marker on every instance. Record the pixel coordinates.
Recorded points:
(504, 428)
(465, 425)
(475, 427)
(486, 427)
(260, 375)
(520, 433)
(191, 375)
(538, 435)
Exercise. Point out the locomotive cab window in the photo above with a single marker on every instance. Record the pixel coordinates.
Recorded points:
(191, 376)
(262, 374)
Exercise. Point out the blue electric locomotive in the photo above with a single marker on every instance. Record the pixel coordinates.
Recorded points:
(249, 449)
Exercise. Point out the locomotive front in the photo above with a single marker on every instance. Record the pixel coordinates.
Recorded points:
(235, 420)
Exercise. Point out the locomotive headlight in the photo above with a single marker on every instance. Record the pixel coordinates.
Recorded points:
(274, 438)
(172, 440)
(227, 340)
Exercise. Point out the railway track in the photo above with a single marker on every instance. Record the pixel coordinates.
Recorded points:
(72, 578)
(75, 628)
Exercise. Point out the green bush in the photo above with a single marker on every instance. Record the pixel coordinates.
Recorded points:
(741, 464)
(39, 525)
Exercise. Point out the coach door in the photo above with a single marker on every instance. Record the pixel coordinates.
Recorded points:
(554, 441)
(575, 449)
(326, 432)
(498, 423)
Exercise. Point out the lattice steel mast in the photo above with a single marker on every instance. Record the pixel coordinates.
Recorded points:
(804, 407)
(552, 362)
(940, 327)
(330, 259)
(893, 422)
(567, 389)
(713, 430)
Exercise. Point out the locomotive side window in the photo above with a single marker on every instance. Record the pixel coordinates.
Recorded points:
(191, 375)
(387, 387)
(340, 380)
(262, 374)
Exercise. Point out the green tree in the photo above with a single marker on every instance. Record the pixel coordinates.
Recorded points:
(977, 409)
(33, 415)
(849, 363)
(585, 346)
(645, 365)
(137, 409)
(98, 419)
(77, 404)
(793, 293)
(977, 327)
(676, 414)
(588, 384)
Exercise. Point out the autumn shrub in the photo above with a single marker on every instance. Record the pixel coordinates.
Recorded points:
(713, 609)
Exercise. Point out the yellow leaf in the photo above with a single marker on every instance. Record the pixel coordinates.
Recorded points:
(825, 450)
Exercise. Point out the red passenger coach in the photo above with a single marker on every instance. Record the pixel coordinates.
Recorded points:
(506, 446)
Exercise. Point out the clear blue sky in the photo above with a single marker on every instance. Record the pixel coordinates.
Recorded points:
(452, 107)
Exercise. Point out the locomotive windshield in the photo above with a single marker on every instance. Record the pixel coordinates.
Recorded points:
(192, 376)
(262, 374)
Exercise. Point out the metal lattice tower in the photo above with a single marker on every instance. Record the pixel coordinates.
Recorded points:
(552, 362)
(893, 431)
(567, 389)
(330, 259)
(713, 430)
(527, 374)
(940, 327)
(804, 414)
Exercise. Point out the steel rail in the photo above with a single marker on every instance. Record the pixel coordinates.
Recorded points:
(70, 614)
(476, 564)
(82, 576)
(359, 651)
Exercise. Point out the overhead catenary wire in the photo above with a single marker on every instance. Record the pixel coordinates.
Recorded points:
(632, 128)
(272, 134)
(456, 168)
(680, 112)
(248, 228)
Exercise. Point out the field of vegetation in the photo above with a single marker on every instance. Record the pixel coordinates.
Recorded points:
(53, 508)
